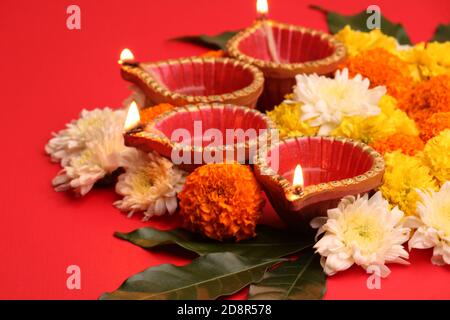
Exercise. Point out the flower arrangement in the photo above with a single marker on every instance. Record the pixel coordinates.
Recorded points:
(89, 149)
(393, 97)
(397, 102)
(92, 148)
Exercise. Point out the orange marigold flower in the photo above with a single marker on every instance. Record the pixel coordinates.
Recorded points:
(434, 125)
(221, 201)
(382, 68)
(148, 114)
(407, 144)
(214, 54)
(426, 98)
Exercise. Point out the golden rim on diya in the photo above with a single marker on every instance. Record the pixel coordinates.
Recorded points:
(153, 86)
(284, 70)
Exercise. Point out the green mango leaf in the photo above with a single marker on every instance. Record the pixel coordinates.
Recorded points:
(269, 242)
(218, 41)
(294, 280)
(207, 277)
(337, 21)
(442, 33)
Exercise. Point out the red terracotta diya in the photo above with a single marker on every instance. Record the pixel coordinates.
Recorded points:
(194, 135)
(196, 80)
(332, 168)
(299, 50)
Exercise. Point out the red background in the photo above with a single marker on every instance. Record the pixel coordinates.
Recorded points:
(49, 73)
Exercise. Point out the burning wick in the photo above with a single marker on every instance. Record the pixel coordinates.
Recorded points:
(133, 117)
(127, 58)
(262, 8)
(298, 181)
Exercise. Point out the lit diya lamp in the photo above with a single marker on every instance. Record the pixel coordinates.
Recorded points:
(193, 135)
(282, 51)
(194, 80)
(303, 177)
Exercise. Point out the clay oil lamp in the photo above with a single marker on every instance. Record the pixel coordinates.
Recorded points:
(193, 135)
(195, 80)
(281, 51)
(303, 177)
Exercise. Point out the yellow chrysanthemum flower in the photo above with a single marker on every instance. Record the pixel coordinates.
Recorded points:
(388, 104)
(397, 118)
(427, 60)
(358, 41)
(436, 155)
(287, 118)
(365, 130)
(404, 174)
(439, 51)
(390, 121)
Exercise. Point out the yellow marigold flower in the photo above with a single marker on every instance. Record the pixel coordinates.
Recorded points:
(365, 130)
(402, 176)
(287, 118)
(390, 121)
(427, 60)
(358, 41)
(388, 104)
(397, 118)
(221, 201)
(436, 155)
(440, 52)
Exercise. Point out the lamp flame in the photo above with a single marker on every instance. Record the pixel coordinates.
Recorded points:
(262, 7)
(133, 117)
(298, 176)
(126, 56)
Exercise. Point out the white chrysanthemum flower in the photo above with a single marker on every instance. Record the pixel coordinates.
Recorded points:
(72, 140)
(327, 101)
(150, 184)
(100, 151)
(361, 231)
(433, 224)
(137, 95)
